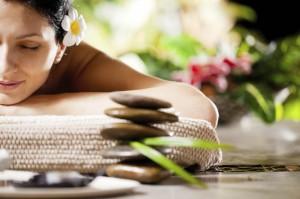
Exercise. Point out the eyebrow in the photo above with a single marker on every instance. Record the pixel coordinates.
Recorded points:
(29, 35)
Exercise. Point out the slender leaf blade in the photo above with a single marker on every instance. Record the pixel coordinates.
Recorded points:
(261, 102)
(186, 142)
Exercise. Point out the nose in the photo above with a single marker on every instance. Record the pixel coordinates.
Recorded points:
(6, 64)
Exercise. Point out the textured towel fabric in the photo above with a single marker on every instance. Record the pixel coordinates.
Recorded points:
(42, 143)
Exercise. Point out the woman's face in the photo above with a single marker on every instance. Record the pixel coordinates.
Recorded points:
(27, 51)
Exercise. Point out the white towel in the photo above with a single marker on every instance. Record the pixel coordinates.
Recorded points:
(48, 142)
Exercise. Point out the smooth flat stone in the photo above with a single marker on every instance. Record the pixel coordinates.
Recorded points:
(126, 152)
(141, 115)
(123, 152)
(130, 131)
(139, 101)
(149, 174)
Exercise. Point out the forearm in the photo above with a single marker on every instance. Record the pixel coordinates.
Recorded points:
(80, 103)
(186, 100)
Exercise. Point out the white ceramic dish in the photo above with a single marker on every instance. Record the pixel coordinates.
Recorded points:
(100, 187)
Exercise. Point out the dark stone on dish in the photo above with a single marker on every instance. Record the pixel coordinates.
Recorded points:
(55, 180)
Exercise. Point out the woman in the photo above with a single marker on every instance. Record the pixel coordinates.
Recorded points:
(39, 74)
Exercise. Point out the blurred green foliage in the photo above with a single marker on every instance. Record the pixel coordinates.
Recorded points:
(171, 53)
(276, 67)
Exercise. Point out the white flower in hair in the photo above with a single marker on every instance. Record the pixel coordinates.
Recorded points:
(75, 27)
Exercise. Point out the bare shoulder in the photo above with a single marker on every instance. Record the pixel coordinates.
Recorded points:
(77, 57)
(61, 75)
(87, 69)
(91, 70)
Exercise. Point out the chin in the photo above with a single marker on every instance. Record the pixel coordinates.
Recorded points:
(8, 100)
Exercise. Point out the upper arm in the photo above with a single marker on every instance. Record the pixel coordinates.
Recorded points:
(94, 71)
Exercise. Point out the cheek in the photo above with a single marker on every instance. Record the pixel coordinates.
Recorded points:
(36, 61)
(35, 67)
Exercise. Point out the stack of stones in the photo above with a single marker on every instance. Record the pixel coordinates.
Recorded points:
(140, 113)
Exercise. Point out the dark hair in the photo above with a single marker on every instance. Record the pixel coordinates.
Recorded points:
(53, 10)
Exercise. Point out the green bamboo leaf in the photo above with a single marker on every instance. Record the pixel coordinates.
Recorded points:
(166, 163)
(258, 96)
(186, 142)
(262, 103)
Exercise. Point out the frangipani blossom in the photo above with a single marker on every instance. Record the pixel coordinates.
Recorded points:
(75, 27)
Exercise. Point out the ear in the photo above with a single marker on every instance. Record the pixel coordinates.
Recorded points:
(60, 53)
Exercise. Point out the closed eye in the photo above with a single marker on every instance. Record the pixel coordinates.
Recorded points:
(30, 47)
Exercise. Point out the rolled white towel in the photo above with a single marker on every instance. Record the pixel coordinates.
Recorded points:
(42, 143)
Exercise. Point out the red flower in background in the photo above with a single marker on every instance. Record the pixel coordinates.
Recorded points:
(214, 70)
(196, 74)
